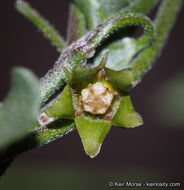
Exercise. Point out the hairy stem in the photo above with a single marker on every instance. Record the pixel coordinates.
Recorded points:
(41, 23)
(79, 51)
(163, 23)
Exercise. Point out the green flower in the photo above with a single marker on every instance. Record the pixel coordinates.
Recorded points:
(96, 99)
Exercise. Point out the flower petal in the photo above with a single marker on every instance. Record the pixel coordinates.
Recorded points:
(63, 106)
(126, 116)
(92, 133)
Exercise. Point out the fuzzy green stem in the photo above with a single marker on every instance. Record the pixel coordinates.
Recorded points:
(163, 23)
(41, 23)
(78, 52)
(39, 137)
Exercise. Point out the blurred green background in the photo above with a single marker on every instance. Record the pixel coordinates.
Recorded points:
(56, 176)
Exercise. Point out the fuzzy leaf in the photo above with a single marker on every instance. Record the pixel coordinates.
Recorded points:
(121, 53)
(121, 46)
(62, 107)
(41, 23)
(20, 109)
(76, 24)
(92, 133)
(97, 11)
(126, 116)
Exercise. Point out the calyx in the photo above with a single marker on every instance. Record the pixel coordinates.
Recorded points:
(96, 99)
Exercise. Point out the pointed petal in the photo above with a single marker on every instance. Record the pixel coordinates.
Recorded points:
(120, 79)
(126, 116)
(92, 133)
(63, 106)
(81, 74)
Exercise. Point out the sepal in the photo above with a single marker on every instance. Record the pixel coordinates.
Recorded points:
(63, 105)
(122, 80)
(82, 74)
(92, 133)
(126, 116)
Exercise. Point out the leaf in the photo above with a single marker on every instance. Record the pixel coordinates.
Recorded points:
(63, 106)
(97, 11)
(20, 109)
(121, 47)
(163, 22)
(92, 133)
(120, 53)
(53, 131)
(76, 24)
(112, 7)
(126, 115)
(41, 23)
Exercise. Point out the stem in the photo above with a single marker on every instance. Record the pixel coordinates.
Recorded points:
(78, 52)
(39, 137)
(163, 23)
(41, 23)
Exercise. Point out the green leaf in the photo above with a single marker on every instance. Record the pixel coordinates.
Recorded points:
(76, 24)
(20, 109)
(111, 7)
(122, 47)
(126, 115)
(53, 131)
(41, 23)
(163, 22)
(92, 133)
(97, 11)
(62, 107)
(121, 53)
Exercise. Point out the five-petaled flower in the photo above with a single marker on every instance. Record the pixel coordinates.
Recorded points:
(96, 99)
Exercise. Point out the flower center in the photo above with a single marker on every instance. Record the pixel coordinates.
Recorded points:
(96, 98)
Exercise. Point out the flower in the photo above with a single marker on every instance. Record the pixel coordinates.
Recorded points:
(96, 99)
